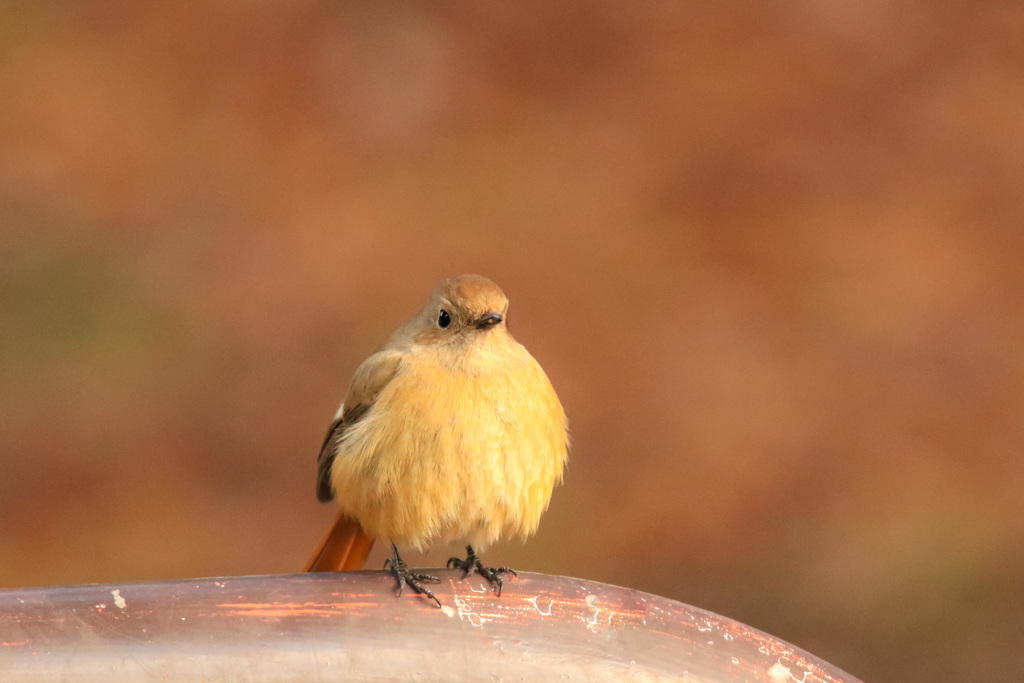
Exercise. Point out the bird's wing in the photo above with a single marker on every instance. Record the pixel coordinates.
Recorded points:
(372, 376)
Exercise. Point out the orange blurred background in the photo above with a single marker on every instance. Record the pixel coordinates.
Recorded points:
(769, 255)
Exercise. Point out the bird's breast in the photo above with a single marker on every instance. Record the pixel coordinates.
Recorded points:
(470, 449)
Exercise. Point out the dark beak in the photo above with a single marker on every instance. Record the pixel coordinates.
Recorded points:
(488, 320)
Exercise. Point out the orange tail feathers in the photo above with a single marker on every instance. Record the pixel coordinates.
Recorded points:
(344, 549)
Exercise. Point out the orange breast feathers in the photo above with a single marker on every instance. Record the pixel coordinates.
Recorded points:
(460, 444)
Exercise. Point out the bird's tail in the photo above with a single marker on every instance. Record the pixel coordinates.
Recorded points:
(344, 549)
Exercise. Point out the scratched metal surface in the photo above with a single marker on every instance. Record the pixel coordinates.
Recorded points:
(351, 627)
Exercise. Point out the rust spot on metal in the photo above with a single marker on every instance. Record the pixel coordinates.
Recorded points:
(282, 610)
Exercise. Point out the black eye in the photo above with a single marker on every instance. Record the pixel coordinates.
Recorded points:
(443, 319)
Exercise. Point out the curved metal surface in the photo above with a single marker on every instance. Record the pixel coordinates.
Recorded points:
(351, 627)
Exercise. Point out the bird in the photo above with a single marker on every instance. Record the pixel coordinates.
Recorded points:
(451, 431)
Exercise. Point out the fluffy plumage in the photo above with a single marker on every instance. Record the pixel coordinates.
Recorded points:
(448, 432)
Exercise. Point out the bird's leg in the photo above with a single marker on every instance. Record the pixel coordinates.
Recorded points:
(472, 562)
(405, 576)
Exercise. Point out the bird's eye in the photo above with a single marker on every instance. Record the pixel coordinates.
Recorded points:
(443, 319)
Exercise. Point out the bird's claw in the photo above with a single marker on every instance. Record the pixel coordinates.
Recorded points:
(406, 576)
(473, 563)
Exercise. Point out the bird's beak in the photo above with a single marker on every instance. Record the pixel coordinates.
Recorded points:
(488, 320)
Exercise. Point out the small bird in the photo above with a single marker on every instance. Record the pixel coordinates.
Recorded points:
(451, 431)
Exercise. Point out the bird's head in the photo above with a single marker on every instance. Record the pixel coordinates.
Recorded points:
(463, 308)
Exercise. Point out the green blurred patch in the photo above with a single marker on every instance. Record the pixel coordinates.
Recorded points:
(69, 305)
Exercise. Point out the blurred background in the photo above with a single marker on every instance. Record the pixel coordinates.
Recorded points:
(769, 255)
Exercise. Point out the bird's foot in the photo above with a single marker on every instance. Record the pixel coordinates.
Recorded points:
(472, 563)
(406, 576)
